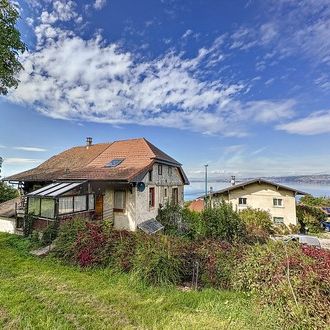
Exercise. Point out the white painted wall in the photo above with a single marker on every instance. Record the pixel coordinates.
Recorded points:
(137, 203)
(260, 196)
(7, 225)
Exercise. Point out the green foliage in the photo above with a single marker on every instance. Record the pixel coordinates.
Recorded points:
(258, 223)
(156, 260)
(302, 299)
(50, 233)
(170, 216)
(220, 222)
(7, 192)
(311, 217)
(67, 236)
(223, 223)
(11, 46)
(315, 201)
(28, 225)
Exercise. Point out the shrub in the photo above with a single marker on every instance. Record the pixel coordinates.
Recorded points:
(216, 261)
(258, 224)
(7, 192)
(223, 223)
(50, 233)
(170, 216)
(122, 245)
(311, 217)
(304, 298)
(91, 247)
(156, 260)
(67, 237)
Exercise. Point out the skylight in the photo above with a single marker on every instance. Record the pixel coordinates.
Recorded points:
(115, 162)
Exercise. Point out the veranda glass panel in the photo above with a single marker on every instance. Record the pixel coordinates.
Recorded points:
(65, 205)
(47, 208)
(34, 205)
(80, 203)
(91, 202)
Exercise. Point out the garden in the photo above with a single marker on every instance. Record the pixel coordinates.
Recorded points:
(209, 254)
(217, 248)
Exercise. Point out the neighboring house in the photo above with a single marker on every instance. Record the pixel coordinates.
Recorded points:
(123, 181)
(7, 216)
(275, 198)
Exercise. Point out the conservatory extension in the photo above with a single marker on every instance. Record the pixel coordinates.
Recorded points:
(61, 199)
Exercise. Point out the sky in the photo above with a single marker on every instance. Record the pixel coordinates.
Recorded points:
(243, 86)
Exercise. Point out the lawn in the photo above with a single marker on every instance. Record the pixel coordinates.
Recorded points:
(45, 294)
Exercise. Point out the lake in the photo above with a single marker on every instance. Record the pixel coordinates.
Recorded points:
(196, 189)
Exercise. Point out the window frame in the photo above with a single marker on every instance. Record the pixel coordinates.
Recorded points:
(160, 169)
(150, 174)
(276, 222)
(115, 209)
(152, 201)
(86, 207)
(54, 206)
(175, 196)
(277, 204)
(243, 199)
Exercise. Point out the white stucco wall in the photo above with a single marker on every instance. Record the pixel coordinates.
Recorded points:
(7, 225)
(260, 196)
(137, 203)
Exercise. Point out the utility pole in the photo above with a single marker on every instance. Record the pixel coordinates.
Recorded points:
(206, 180)
(1, 161)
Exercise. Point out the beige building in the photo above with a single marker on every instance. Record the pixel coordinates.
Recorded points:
(278, 200)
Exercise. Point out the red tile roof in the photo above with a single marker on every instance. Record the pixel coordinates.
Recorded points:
(88, 163)
(196, 205)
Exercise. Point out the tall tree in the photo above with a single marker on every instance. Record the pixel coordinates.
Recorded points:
(11, 46)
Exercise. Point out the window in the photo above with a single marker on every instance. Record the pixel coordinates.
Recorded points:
(277, 202)
(160, 169)
(152, 197)
(47, 208)
(91, 202)
(165, 192)
(150, 175)
(65, 205)
(175, 196)
(34, 205)
(170, 170)
(242, 201)
(79, 203)
(115, 162)
(278, 220)
(120, 200)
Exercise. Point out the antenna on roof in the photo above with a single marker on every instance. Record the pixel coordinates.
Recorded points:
(89, 142)
(233, 180)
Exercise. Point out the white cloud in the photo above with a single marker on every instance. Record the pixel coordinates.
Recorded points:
(20, 161)
(316, 123)
(33, 149)
(67, 77)
(99, 4)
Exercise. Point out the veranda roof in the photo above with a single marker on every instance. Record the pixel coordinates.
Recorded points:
(55, 189)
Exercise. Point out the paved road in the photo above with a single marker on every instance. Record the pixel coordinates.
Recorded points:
(325, 241)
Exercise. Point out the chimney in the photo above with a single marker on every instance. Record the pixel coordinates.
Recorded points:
(89, 142)
(233, 180)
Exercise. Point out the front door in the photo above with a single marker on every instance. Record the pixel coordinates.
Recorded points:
(99, 207)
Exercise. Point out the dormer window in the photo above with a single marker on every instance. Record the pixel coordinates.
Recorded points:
(115, 162)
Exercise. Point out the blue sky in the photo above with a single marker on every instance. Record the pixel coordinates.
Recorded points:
(241, 85)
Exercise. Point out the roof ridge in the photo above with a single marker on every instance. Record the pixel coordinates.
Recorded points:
(101, 152)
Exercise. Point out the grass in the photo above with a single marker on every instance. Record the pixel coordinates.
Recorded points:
(42, 293)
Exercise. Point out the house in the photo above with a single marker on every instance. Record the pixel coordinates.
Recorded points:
(123, 181)
(277, 199)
